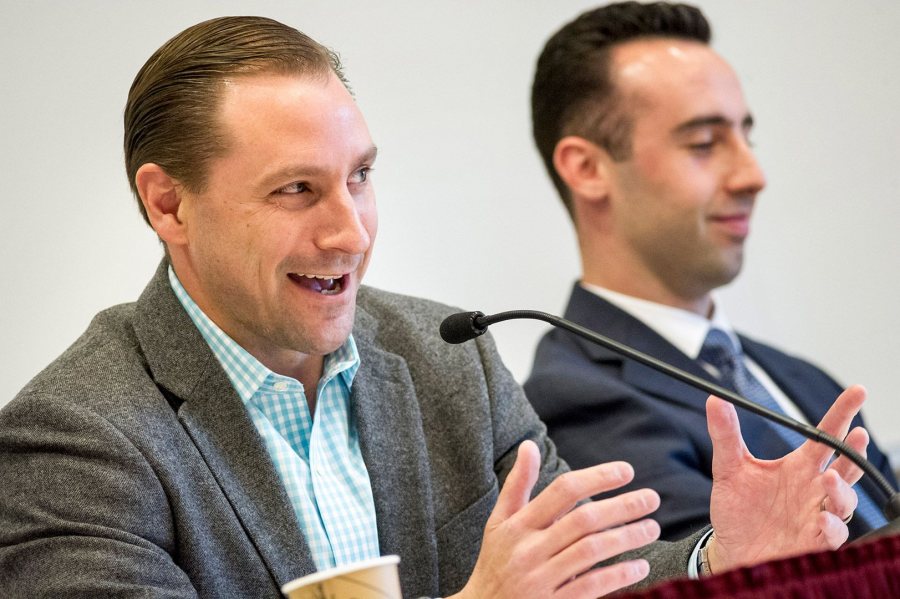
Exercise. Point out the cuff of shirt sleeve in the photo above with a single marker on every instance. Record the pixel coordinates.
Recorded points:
(693, 570)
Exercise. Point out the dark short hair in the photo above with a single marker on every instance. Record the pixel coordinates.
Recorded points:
(172, 108)
(573, 94)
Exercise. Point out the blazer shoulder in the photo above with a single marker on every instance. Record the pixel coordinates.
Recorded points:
(399, 322)
(103, 367)
(402, 308)
(408, 327)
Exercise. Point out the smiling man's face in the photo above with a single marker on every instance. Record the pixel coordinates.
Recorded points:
(278, 241)
(684, 197)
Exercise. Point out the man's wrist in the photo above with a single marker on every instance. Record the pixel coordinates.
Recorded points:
(703, 566)
(693, 564)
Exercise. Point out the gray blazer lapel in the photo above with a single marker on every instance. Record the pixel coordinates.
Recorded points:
(217, 422)
(393, 446)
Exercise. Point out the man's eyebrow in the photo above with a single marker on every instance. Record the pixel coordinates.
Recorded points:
(302, 171)
(712, 120)
(368, 156)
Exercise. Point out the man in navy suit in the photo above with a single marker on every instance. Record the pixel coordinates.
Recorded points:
(645, 133)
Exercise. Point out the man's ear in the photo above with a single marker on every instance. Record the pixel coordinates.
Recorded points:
(580, 164)
(161, 196)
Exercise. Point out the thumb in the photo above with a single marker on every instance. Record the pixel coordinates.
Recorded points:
(516, 491)
(729, 449)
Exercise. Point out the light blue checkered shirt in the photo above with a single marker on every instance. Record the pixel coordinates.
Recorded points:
(318, 458)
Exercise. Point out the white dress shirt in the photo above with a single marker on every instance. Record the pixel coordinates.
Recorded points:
(687, 330)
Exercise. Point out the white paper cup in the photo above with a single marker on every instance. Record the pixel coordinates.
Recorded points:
(370, 579)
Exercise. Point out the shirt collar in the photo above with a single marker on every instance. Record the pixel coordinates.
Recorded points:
(682, 328)
(246, 373)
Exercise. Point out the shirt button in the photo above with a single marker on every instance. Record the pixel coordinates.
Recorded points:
(281, 386)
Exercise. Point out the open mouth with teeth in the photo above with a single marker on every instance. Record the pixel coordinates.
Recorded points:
(323, 284)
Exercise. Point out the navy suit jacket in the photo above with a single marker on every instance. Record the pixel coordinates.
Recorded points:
(600, 407)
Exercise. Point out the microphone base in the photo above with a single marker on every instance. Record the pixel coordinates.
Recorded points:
(889, 529)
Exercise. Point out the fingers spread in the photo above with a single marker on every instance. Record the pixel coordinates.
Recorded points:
(567, 490)
(516, 490)
(602, 581)
(836, 421)
(834, 532)
(858, 439)
(601, 515)
(729, 450)
(584, 554)
(840, 499)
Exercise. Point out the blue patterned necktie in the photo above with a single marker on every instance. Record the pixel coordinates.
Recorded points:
(720, 352)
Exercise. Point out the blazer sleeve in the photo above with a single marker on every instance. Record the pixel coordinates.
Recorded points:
(514, 420)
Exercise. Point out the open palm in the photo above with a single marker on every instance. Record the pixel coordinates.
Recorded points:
(766, 509)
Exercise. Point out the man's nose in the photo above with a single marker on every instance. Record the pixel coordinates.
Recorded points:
(746, 177)
(342, 227)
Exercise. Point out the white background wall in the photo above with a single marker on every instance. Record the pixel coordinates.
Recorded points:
(467, 214)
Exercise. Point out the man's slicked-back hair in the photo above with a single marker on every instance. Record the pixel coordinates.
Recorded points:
(172, 109)
(573, 93)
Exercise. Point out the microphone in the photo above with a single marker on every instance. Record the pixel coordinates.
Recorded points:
(465, 326)
(461, 327)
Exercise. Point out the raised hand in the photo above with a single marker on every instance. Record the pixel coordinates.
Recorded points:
(546, 547)
(767, 509)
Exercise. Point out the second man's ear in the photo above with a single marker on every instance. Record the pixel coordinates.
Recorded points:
(581, 165)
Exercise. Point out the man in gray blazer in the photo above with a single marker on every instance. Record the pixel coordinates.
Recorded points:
(257, 415)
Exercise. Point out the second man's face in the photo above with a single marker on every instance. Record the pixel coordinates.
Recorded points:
(684, 198)
(279, 240)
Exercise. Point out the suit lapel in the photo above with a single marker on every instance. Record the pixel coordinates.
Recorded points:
(217, 422)
(393, 446)
(599, 315)
(789, 379)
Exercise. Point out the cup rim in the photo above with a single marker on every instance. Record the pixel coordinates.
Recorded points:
(384, 560)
